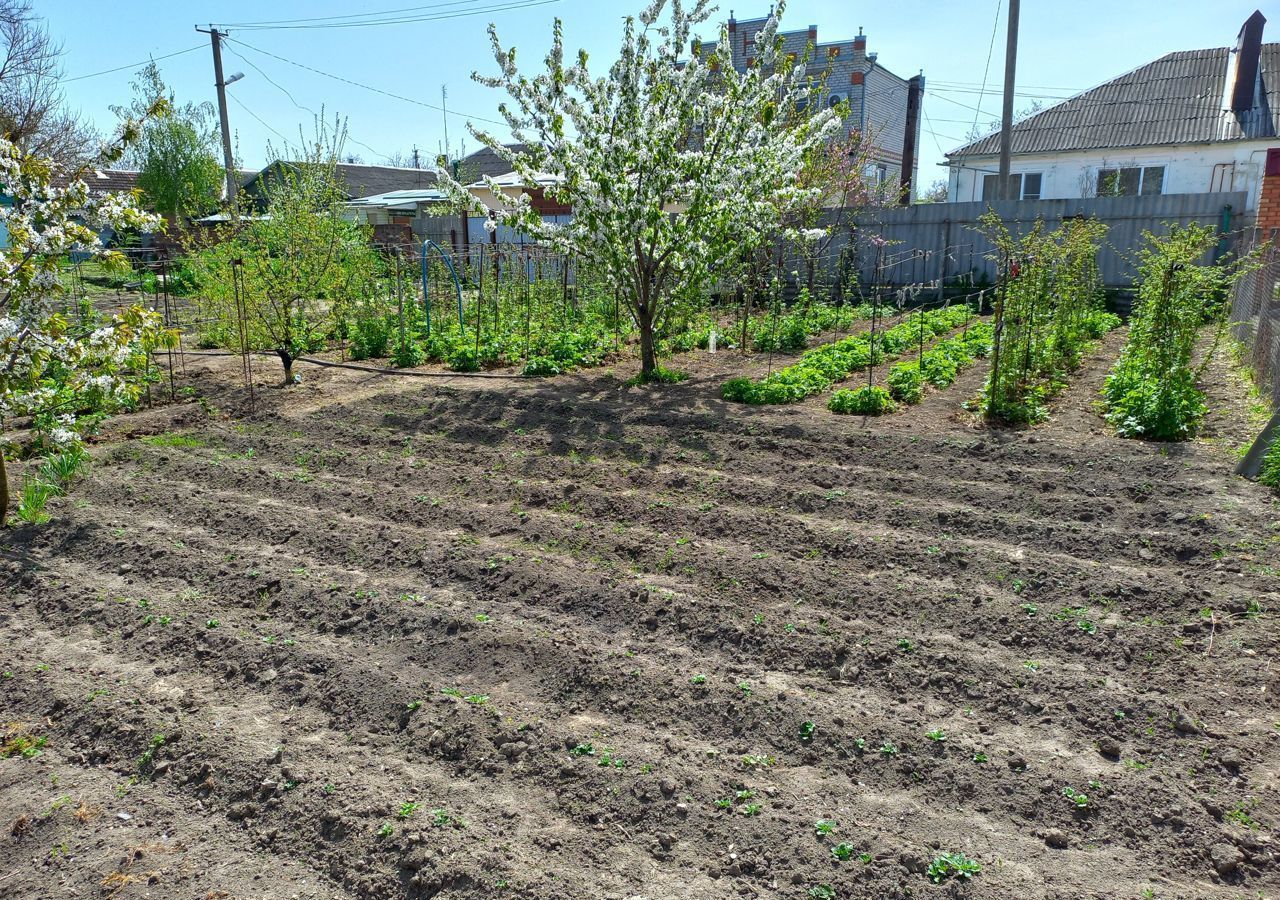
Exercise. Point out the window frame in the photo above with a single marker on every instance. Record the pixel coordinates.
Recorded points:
(1140, 189)
(1022, 185)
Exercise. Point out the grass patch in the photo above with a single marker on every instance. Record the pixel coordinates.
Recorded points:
(173, 439)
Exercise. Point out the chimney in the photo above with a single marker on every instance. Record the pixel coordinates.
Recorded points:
(1248, 50)
(915, 88)
(860, 42)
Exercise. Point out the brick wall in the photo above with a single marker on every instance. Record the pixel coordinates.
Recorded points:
(851, 75)
(1269, 200)
(1269, 205)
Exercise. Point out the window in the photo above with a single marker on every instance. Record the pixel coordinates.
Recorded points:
(1025, 184)
(1131, 181)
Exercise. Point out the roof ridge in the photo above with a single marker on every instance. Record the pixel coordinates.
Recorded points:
(1183, 93)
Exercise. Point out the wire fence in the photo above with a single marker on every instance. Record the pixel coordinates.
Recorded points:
(502, 303)
(1255, 318)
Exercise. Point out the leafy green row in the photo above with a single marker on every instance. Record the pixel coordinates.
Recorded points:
(940, 364)
(787, 332)
(823, 366)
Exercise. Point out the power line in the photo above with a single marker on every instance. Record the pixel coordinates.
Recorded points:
(366, 87)
(261, 121)
(976, 84)
(292, 100)
(929, 127)
(365, 15)
(133, 65)
(434, 17)
(995, 27)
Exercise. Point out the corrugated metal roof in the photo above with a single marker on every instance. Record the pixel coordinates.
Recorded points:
(1178, 99)
(401, 198)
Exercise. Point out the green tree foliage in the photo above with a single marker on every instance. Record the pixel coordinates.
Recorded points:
(285, 280)
(176, 154)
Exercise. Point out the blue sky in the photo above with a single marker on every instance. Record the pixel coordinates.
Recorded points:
(1063, 48)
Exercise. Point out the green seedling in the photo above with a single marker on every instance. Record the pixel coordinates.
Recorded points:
(806, 732)
(824, 827)
(842, 851)
(1079, 798)
(952, 864)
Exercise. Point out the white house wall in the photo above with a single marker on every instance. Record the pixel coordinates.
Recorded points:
(1189, 169)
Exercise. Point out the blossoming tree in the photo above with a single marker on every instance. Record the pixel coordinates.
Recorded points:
(53, 367)
(675, 167)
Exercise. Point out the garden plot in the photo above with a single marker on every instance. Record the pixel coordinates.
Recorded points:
(570, 638)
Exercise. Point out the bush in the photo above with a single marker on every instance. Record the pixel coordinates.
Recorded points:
(865, 401)
(938, 368)
(540, 367)
(1098, 322)
(372, 337)
(408, 355)
(788, 335)
(1151, 391)
(906, 383)
(1170, 408)
(463, 358)
(738, 389)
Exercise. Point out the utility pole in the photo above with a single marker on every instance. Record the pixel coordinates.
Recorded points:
(444, 115)
(215, 37)
(1006, 191)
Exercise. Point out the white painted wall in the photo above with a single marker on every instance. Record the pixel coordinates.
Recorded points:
(1189, 169)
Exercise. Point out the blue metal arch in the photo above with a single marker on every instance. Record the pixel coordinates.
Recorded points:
(427, 246)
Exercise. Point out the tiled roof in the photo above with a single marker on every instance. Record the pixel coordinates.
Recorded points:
(101, 181)
(484, 162)
(364, 181)
(1178, 99)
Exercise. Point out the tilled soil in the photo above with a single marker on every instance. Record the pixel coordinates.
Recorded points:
(389, 637)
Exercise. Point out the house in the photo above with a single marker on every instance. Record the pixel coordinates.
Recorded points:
(1191, 122)
(412, 215)
(883, 107)
(512, 186)
(405, 217)
(355, 180)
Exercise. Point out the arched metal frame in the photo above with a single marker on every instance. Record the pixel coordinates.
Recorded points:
(427, 246)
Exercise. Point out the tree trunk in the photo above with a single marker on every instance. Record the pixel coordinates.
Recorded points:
(648, 354)
(4, 492)
(286, 359)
